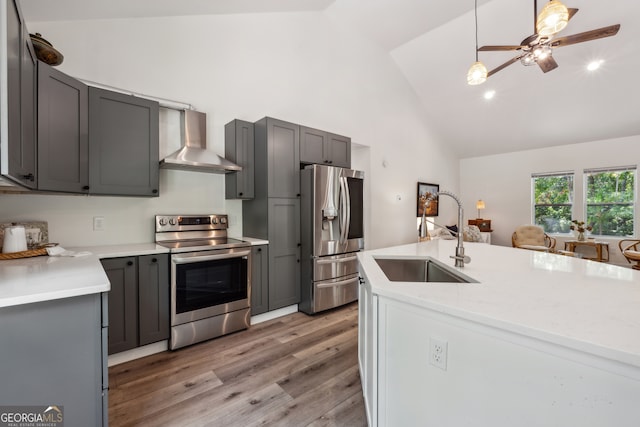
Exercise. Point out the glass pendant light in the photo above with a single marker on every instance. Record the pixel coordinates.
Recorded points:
(477, 73)
(553, 18)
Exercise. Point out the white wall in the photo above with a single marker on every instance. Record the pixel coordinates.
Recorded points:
(299, 67)
(504, 182)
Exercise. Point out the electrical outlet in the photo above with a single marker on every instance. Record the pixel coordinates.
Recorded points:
(438, 353)
(98, 223)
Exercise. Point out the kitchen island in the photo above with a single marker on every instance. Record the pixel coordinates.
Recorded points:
(536, 340)
(53, 334)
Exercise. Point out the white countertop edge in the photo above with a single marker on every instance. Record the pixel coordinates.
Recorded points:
(407, 292)
(117, 251)
(252, 240)
(528, 332)
(54, 295)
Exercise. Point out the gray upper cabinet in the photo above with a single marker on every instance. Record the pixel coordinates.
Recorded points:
(239, 148)
(320, 147)
(17, 98)
(281, 141)
(63, 139)
(123, 144)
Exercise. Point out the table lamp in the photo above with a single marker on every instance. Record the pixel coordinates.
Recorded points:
(479, 205)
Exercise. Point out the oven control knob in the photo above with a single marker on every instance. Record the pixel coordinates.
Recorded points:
(223, 220)
(214, 220)
(172, 221)
(163, 221)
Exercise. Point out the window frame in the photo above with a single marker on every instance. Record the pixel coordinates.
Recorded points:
(633, 203)
(571, 197)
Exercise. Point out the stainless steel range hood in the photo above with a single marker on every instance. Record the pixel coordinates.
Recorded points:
(193, 155)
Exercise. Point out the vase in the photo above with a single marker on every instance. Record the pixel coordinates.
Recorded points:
(580, 237)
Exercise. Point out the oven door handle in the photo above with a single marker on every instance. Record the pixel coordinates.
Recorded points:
(177, 259)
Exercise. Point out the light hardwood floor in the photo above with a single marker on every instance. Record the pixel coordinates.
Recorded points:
(296, 370)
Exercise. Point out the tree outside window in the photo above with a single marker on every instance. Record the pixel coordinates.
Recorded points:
(553, 201)
(610, 200)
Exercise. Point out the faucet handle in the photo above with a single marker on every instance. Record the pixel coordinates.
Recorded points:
(464, 258)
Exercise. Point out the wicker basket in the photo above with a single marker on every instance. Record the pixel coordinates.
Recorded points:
(25, 254)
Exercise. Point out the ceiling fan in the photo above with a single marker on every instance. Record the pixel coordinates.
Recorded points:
(537, 48)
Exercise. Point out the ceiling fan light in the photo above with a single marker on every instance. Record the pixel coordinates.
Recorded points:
(477, 73)
(528, 59)
(553, 18)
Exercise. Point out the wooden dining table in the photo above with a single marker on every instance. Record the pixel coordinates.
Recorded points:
(602, 248)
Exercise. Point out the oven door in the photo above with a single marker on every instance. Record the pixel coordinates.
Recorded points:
(209, 283)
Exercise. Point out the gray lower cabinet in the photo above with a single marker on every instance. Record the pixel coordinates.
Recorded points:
(52, 354)
(259, 279)
(320, 147)
(238, 148)
(123, 144)
(153, 298)
(18, 92)
(63, 137)
(284, 252)
(138, 300)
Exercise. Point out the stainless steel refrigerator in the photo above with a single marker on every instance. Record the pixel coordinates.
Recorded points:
(332, 232)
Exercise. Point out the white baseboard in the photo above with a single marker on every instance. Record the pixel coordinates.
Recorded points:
(138, 352)
(259, 318)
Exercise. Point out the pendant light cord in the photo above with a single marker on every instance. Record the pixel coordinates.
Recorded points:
(476, 16)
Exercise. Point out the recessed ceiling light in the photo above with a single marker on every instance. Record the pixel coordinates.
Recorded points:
(594, 65)
(489, 94)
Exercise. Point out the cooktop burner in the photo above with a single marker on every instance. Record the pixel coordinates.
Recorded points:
(203, 245)
(190, 233)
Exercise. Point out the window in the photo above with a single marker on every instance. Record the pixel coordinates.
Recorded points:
(553, 201)
(610, 200)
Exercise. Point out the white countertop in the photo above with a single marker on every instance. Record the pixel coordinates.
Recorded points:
(589, 306)
(44, 278)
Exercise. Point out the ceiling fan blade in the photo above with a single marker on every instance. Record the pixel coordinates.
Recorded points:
(505, 65)
(600, 33)
(486, 48)
(572, 12)
(547, 64)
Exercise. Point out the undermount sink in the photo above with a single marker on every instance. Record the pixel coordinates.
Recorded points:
(420, 270)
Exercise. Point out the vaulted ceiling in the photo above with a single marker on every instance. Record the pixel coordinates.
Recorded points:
(433, 44)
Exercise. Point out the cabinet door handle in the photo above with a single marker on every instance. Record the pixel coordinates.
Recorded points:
(259, 249)
(28, 177)
(129, 263)
(154, 191)
(85, 187)
(154, 259)
(240, 193)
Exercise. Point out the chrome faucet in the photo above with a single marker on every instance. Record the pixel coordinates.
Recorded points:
(460, 257)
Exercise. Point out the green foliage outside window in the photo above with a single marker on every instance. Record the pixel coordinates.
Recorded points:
(553, 200)
(610, 202)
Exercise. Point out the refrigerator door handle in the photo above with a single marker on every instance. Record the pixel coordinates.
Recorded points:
(337, 260)
(337, 284)
(345, 210)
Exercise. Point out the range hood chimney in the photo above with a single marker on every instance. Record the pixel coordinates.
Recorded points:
(193, 156)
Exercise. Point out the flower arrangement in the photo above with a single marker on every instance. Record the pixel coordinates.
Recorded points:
(579, 226)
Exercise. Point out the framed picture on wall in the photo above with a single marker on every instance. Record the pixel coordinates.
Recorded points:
(425, 191)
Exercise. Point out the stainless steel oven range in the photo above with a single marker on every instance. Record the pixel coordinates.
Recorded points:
(210, 277)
